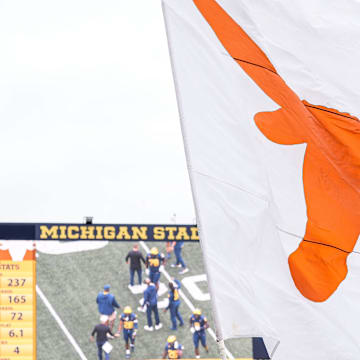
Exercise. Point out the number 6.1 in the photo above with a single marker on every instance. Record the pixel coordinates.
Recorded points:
(12, 333)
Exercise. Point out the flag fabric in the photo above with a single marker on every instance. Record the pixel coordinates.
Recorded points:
(268, 94)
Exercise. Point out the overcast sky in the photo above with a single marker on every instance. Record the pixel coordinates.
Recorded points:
(88, 112)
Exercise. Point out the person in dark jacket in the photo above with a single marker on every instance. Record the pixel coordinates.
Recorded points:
(150, 301)
(174, 304)
(107, 304)
(102, 332)
(135, 257)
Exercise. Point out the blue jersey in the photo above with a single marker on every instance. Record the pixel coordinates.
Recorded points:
(174, 296)
(106, 303)
(198, 322)
(154, 261)
(129, 321)
(171, 350)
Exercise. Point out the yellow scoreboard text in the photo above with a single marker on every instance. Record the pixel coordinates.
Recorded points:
(118, 232)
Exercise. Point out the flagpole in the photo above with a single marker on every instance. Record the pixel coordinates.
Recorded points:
(219, 337)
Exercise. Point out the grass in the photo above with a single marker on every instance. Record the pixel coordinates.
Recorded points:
(71, 283)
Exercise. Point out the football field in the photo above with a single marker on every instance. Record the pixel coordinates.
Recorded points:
(69, 281)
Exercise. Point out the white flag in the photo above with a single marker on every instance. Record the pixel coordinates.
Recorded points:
(269, 99)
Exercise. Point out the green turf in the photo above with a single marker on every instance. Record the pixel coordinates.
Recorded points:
(52, 343)
(71, 283)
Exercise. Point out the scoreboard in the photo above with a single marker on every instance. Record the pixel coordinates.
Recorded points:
(17, 310)
(18, 277)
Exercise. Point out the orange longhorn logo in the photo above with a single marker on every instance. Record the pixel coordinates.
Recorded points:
(29, 255)
(331, 170)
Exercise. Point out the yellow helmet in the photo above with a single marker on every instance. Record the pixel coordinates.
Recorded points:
(171, 339)
(154, 251)
(197, 312)
(127, 310)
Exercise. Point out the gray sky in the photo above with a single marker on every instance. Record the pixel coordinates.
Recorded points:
(88, 112)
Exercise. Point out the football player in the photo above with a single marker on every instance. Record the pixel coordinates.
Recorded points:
(129, 325)
(198, 326)
(154, 262)
(174, 304)
(173, 350)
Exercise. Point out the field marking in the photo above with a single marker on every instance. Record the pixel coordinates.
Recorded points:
(60, 323)
(189, 303)
(190, 283)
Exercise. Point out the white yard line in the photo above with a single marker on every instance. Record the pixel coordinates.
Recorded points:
(188, 302)
(60, 323)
